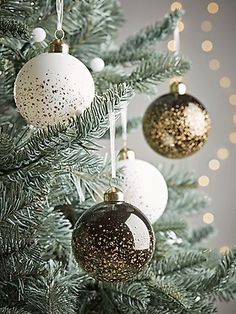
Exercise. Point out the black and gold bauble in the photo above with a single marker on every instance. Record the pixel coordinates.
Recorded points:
(176, 125)
(113, 240)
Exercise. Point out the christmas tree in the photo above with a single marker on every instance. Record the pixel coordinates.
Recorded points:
(50, 176)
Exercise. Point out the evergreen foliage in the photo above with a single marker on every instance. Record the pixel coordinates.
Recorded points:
(48, 178)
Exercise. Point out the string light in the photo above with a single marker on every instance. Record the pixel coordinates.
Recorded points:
(232, 137)
(223, 153)
(234, 118)
(232, 99)
(206, 26)
(214, 164)
(208, 218)
(203, 181)
(180, 26)
(224, 250)
(225, 82)
(207, 45)
(171, 45)
(214, 64)
(213, 7)
(176, 5)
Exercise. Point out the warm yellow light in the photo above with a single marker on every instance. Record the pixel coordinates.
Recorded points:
(213, 7)
(207, 45)
(208, 218)
(223, 153)
(206, 26)
(176, 5)
(232, 137)
(224, 250)
(214, 64)
(234, 118)
(203, 181)
(225, 82)
(214, 164)
(171, 45)
(180, 26)
(232, 99)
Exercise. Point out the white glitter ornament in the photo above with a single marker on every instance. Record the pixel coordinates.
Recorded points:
(143, 186)
(53, 87)
(38, 34)
(97, 64)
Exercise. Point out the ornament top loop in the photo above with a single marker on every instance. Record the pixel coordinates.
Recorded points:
(126, 153)
(178, 88)
(59, 34)
(113, 194)
(58, 45)
(59, 8)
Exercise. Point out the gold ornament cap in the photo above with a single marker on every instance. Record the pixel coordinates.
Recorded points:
(58, 46)
(178, 88)
(126, 153)
(113, 194)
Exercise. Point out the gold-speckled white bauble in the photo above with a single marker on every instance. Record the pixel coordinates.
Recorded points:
(144, 187)
(53, 87)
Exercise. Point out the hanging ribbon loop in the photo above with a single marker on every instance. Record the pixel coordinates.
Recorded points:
(124, 126)
(177, 40)
(112, 120)
(59, 34)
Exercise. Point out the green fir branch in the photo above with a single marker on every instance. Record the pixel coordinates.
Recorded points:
(156, 70)
(180, 262)
(179, 178)
(16, 8)
(148, 73)
(132, 125)
(13, 311)
(146, 37)
(217, 281)
(133, 296)
(200, 234)
(55, 293)
(171, 223)
(187, 201)
(13, 28)
(165, 294)
(45, 144)
(54, 235)
(130, 57)
(223, 282)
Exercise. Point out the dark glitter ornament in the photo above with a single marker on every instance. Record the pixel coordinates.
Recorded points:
(176, 125)
(113, 240)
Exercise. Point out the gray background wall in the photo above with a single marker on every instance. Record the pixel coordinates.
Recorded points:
(204, 84)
